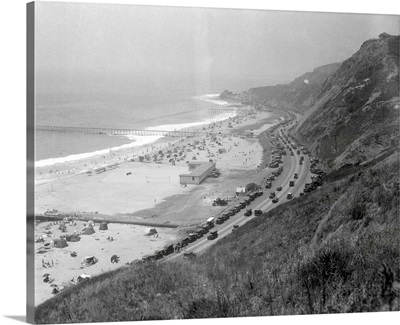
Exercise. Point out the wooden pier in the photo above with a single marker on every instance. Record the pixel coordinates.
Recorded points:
(121, 132)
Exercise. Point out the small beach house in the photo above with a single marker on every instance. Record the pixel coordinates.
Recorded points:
(200, 170)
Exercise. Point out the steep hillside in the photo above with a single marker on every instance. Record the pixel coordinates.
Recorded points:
(354, 117)
(295, 95)
(332, 251)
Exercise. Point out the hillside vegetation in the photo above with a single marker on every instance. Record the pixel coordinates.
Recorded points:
(350, 109)
(355, 115)
(335, 250)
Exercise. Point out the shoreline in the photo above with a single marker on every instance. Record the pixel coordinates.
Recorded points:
(142, 141)
(150, 197)
(46, 181)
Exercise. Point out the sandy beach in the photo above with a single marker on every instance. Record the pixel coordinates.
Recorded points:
(129, 243)
(147, 191)
(131, 186)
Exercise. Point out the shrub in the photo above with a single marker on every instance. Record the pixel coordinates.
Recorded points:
(358, 211)
(328, 268)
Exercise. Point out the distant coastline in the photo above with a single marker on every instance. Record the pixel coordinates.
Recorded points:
(138, 141)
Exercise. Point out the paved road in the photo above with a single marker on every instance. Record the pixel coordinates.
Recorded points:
(290, 167)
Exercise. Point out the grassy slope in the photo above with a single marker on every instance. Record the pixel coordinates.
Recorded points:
(334, 250)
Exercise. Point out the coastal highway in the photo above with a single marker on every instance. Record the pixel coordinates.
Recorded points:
(291, 165)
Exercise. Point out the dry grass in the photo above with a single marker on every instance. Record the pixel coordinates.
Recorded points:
(276, 264)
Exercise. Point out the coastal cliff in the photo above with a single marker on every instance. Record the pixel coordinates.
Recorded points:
(334, 250)
(350, 110)
(354, 117)
(297, 94)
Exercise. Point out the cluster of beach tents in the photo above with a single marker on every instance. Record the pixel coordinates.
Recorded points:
(89, 230)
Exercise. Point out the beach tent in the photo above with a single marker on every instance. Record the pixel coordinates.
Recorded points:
(88, 231)
(73, 238)
(150, 231)
(103, 226)
(60, 243)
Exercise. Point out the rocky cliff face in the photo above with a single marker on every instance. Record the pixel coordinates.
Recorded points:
(295, 95)
(354, 116)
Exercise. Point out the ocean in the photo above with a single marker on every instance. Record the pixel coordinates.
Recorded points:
(122, 109)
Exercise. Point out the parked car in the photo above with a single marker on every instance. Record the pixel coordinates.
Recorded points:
(235, 227)
(212, 235)
(219, 220)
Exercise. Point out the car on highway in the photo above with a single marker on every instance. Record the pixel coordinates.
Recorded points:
(189, 255)
(289, 196)
(275, 200)
(279, 188)
(272, 195)
(248, 213)
(213, 235)
(258, 212)
(296, 175)
(235, 209)
(219, 221)
(291, 183)
(276, 173)
(235, 227)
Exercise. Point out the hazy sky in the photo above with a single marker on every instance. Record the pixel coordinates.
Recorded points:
(206, 46)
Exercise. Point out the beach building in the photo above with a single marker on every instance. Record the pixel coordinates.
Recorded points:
(199, 171)
(195, 164)
(240, 190)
